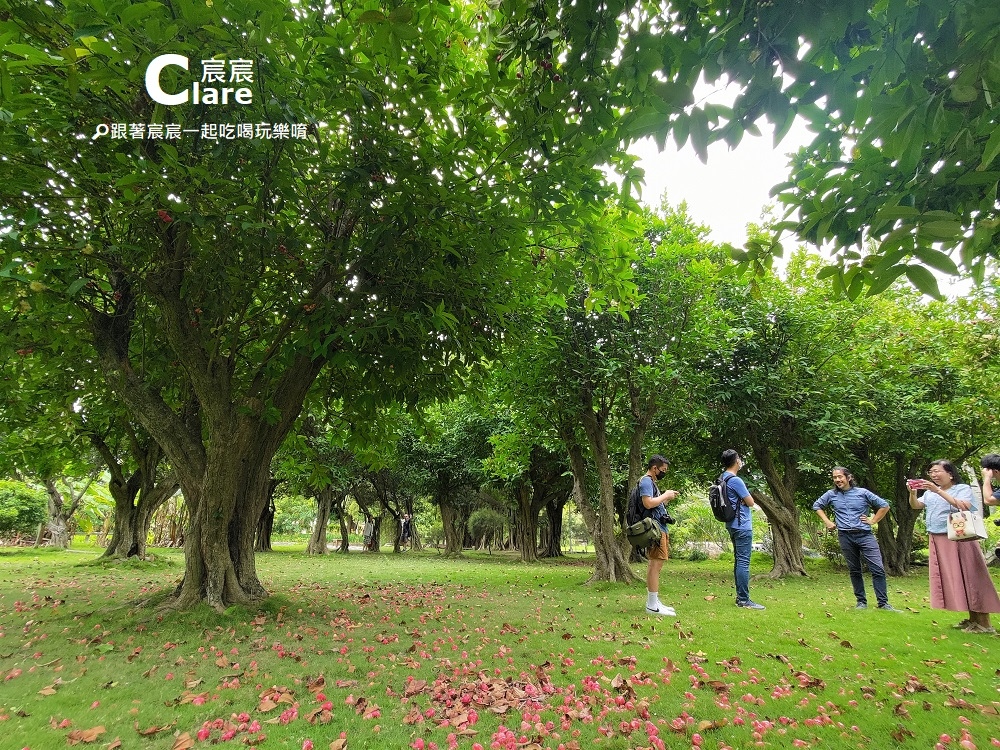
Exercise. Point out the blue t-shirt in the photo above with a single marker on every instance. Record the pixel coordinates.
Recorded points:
(849, 505)
(736, 490)
(937, 509)
(648, 488)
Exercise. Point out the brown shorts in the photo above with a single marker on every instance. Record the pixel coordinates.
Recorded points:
(660, 550)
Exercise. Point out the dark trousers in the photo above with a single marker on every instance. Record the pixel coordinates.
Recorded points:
(862, 544)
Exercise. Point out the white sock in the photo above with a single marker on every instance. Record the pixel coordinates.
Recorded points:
(652, 599)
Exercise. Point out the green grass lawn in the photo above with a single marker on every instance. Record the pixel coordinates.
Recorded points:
(395, 651)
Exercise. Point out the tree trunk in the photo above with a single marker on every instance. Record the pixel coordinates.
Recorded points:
(374, 543)
(785, 534)
(60, 512)
(612, 562)
(397, 533)
(221, 447)
(137, 497)
(551, 544)
(895, 530)
(780, 509)
(265, 524)
(415, 545)
(134, 514)
(454, 528)
(345, 532)
(526, 522)
(225, 506)
(324, 503)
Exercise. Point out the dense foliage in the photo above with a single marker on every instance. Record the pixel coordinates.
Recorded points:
(22, 508)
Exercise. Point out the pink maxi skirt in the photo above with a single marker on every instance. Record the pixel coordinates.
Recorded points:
(960, 580)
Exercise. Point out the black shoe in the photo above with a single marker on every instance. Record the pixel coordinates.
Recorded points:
(861, 605)
(888, 608)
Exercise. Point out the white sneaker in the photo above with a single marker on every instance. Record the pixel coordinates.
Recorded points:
(662, 609)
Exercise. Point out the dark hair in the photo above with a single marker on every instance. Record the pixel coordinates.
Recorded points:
(847, 473)
(991, 461)
(729, 457)
(949, 467)
(656, 460)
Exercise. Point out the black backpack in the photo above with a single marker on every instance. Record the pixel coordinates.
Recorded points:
(718, 500)
(635, 511)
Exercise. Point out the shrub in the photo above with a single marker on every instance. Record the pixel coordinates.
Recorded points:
(22, 508)
(830, 547)
(486, 523)
(434, 536)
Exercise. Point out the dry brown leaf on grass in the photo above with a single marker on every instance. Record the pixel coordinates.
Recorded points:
(718, 686)
(183, 741)
(339, 744)
(704, 726)
(273, 696)
(415, 687)
(84, 735)
(153, 730)
(902, 733)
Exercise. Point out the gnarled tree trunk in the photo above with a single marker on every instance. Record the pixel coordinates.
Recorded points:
(551, 538)
(612, 561)
(345, 532)
(374, 542)
(454, 528)
(324, 504)
(265, 524)
(526, 521)
(780, 509)
(222, 450)
(60, 512)
(133, 517)
(137, 497)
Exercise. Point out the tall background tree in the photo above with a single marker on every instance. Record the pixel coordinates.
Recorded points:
(602, 369)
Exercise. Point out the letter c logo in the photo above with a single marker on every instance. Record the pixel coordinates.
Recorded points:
(156, 93)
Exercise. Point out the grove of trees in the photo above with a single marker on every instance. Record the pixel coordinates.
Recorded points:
(439, 298)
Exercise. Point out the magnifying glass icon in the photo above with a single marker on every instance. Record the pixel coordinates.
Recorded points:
(101, 130)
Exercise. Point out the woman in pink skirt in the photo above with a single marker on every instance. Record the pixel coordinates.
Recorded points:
(959, 578)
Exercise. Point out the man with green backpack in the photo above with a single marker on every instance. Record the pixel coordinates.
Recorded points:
(653, 502)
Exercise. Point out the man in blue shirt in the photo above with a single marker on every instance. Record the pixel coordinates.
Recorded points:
(740, 528)
(653, 500)
(852, 508)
